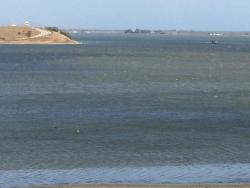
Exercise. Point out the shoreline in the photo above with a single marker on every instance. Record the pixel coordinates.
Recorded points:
(40, 44)
(169, 175)
(72, 42)
(148, 186)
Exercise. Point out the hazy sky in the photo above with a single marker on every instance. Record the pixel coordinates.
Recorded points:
(122, 14)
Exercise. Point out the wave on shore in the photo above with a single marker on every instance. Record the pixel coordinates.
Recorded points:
(196, 174)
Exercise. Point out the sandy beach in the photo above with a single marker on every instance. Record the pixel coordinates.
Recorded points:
(150, 186)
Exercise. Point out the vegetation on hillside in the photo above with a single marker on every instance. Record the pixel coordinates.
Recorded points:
(56, 29)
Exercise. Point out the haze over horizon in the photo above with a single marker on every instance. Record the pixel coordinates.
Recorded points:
(223, 15)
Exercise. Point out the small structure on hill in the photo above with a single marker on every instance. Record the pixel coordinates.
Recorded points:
(27, 23)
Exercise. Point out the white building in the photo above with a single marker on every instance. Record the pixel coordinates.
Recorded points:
(27, 23)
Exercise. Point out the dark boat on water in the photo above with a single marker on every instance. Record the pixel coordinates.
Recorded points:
(214, 42)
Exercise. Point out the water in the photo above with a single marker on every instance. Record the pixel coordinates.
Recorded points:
(125, 109)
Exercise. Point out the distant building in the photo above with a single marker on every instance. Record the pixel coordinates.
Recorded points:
(216, 34)
(13, 25)
(27, 23)
(140, 31)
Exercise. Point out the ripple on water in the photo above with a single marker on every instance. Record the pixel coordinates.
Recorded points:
(195, 174)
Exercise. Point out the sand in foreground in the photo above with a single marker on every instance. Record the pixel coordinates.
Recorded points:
(151, 186)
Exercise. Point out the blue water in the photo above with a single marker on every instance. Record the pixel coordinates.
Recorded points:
(125, 109)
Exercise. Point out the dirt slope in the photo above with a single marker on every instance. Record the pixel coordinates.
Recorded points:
(30, 35)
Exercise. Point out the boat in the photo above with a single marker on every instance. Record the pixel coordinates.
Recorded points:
(214, 42)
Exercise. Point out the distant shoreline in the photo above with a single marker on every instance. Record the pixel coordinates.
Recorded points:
(163, 32)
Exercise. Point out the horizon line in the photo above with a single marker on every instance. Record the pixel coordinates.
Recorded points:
(123, 29)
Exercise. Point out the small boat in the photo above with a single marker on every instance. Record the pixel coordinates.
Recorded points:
(214, 42)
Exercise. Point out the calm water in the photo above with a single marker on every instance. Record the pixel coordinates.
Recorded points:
(125, 109)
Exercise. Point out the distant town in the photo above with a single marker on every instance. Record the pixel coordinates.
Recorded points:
(139, 31)
(162, 32)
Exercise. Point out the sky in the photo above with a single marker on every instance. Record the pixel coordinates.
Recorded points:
(220, 15)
